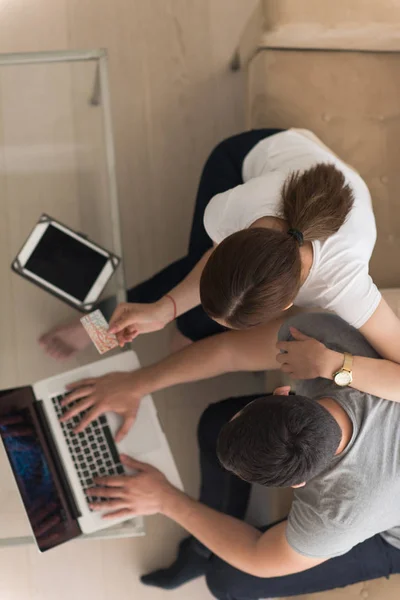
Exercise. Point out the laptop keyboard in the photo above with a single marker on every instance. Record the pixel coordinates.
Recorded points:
(93, 450)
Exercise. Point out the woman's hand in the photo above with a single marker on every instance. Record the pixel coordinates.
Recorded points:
(115, 392)
(141, 494)
(307, 358)
(130, 320)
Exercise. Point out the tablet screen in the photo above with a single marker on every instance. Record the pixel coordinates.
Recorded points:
(66, 263)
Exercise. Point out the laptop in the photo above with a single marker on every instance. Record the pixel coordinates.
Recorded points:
(53, 466)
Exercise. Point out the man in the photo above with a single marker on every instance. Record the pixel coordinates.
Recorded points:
(339, 449)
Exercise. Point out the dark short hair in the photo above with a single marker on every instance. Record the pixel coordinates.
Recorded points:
(279, 441)
(255, 274)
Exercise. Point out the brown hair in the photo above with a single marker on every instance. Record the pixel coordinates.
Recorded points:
(279, 441)
(255, 274)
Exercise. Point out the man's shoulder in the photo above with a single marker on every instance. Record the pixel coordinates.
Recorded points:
(324, 522)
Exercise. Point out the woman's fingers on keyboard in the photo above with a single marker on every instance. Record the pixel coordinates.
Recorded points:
(82, 383)
(109, 505)
(111, 481)
(103, 492)
(78, 394)
(78, 408)
(88, 417)
(125, 427)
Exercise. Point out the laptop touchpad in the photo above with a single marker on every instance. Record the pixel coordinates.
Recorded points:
(146, 434)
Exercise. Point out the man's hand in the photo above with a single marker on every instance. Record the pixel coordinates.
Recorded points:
(115, 392)
(240, 544)
(142, 494)
(307, 358)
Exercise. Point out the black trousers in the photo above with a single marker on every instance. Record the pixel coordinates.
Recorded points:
(371, 559)
(222, 171)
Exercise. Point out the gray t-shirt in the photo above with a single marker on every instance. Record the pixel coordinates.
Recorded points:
(358, 495)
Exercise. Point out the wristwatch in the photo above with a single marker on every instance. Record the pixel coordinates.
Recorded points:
(344, 376)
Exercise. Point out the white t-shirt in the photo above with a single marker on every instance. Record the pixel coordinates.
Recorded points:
(339, 280)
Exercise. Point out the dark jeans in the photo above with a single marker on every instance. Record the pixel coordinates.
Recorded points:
(371, 559)
(222, 171)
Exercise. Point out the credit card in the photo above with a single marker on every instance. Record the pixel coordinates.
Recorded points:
(97, 328)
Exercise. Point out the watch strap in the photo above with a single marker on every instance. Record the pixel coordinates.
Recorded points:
(348, 362)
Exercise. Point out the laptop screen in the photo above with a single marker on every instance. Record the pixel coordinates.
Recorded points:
(34, 476)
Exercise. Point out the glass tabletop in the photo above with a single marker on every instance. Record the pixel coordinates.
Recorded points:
(56, 157)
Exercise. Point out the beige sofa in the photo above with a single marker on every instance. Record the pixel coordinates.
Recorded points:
(351, 99)
(334, 68)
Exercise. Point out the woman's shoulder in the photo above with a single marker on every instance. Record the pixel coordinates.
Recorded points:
(237, 208)
(355, 240)
(341, 283)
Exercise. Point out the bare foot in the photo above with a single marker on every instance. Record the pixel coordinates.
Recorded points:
(64, 341)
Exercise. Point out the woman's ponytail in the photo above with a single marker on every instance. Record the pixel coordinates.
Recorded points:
(255, 274)
(316, 202)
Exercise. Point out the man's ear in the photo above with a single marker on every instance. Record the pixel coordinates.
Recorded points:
(282, 391)
(299, 485)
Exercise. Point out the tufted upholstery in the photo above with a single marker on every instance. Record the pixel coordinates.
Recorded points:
(351, 100)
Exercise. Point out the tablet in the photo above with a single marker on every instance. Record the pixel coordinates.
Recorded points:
(65, 263)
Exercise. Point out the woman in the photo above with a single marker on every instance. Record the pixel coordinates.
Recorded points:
(292, 224)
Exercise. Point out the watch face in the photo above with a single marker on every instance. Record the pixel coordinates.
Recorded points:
(343, 378)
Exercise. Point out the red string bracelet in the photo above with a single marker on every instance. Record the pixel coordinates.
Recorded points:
(174, 303)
